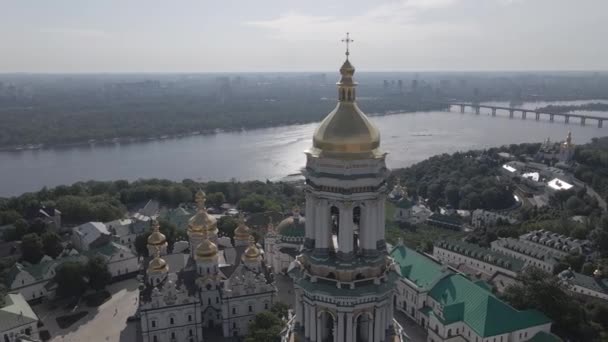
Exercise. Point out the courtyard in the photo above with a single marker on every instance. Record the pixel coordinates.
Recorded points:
(108, 322)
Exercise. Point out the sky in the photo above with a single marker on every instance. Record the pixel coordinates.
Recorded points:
(284, 35)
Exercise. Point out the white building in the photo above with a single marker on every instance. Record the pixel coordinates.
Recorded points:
(406, 211)
(17, 319)
(530, 254)
(484, 218)
(35, 281)
(483, 260)
(344, 280)
(451, 307)
(558, 245)
(90, 235)
(220, 285)
(580, 284)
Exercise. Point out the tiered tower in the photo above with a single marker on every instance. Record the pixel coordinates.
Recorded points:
(344, 278)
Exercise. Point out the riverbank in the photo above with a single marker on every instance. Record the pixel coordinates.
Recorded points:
(131, 140)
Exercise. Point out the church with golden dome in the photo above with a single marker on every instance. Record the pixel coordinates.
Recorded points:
(217, 284)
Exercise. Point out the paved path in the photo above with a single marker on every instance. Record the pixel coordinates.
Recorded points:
(413, 330)
(106, 323)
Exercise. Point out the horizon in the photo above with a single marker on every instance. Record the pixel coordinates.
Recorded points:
(68, 36)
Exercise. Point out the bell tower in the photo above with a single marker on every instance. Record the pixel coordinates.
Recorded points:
(344, 279)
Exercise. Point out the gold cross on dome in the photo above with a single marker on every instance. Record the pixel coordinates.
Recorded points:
(347, 41)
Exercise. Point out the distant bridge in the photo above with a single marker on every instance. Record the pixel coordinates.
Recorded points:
(524, 112)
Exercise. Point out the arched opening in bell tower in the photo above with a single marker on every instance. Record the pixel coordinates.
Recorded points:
(356, 229)
(334, 213)
(327, 327)
(363, 328)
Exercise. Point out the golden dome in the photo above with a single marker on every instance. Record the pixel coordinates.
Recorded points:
(156, 238)
(252, 253)
(201, 221)
(206, 250)
(241, 233)
(346, 129)
(158, 264)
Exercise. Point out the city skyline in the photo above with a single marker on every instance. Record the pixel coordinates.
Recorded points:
(431, 35)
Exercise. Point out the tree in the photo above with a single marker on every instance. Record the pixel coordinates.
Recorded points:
(31, 248)
(546, 293)
(98, 273)
(70, 279)
(280, 310)
(141, 244)
(266, 327)
(226, 225)
(51, 243)
(216, 199)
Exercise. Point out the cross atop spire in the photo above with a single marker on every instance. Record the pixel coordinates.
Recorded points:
(347, 41)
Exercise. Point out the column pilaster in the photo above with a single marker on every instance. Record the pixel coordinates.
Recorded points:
(349, 326)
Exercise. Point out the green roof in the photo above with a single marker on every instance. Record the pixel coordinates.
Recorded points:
(178, 217)
(463, 300)
(543, 336)
(588, 282)
(292, 228)
(417, 268)
(404, 203)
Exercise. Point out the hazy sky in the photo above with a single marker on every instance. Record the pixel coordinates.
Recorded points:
(304, 35)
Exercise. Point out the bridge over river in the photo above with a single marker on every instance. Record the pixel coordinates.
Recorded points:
(524, 113)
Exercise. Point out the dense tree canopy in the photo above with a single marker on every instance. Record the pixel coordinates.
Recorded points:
(32, 248)
(462, 180)
(97, 272)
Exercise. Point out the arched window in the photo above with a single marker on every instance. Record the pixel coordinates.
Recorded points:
(171, 320)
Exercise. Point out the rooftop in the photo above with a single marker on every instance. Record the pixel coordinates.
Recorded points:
(16, 312)
(485, 254)
(463, 300)
(417, 268)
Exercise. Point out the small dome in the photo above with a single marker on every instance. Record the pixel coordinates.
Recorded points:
(158, 265)
(241, 233)
(293, 226)
(252, 253)
(201, 221)
(156, 238)
(206, 250)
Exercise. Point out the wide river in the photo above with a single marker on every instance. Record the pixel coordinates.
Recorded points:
(274, 153)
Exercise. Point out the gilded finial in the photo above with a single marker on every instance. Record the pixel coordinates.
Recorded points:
(347, 41)
(200, 200)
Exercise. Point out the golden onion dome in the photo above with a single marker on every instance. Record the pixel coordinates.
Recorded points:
(346, 130)
(206, 250)
(158, 265)
(252, 253)
(241, 233)
(156, 238)
(201, 221)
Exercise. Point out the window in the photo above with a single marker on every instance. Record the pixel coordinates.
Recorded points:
(154, 338)
(190, 332)
(233, 325)
(234, 311)
(217, 300)
(172, 335)
(154, 326)
(189, 318)
(250, 308)
(171, 321)
(265, 306)
(209, 301)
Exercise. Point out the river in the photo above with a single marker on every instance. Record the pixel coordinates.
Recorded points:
(274, 153)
